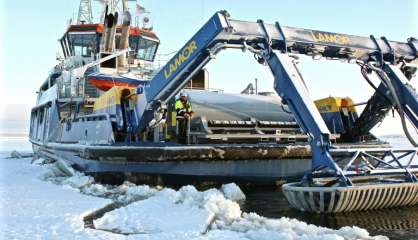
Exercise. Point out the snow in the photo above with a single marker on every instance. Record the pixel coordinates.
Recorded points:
(43, 201)
(253, 226)
(34, 209)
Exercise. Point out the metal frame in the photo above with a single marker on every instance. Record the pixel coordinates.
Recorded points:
(290, 87)
(368, 162)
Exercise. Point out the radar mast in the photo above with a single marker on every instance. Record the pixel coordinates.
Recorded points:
(85, 12)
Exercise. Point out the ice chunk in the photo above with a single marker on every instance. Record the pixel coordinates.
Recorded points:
(143, 191)
(233, 192)
(212, 200)
(52, 173)
(353, 232)
(98, 190)
(16, 154)
(134, 193)
(253, 226)
(39, 161)
(79, 181)
(170, 211)
(156, 214)
(224, 209)
(190, 196)
(65, 168)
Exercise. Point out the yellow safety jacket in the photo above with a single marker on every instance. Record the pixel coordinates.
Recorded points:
(182, 108)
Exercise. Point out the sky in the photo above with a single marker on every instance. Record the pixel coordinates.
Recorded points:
(29, 31)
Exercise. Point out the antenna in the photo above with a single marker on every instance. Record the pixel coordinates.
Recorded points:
(85, 13)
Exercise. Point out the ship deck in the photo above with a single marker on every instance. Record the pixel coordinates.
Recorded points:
(253, 162)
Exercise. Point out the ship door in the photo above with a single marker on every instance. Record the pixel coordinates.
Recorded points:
(34, 124)
(124, 102)
(39, 128)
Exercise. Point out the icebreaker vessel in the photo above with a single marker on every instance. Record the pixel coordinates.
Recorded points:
(107, 109)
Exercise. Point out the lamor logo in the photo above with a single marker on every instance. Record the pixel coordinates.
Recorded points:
(330, 37)
(180, 59)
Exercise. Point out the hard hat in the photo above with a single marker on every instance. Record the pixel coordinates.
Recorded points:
(183, 94)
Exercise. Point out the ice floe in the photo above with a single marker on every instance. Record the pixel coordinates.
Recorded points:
(39, 209)
(157, 214)
(209, 215)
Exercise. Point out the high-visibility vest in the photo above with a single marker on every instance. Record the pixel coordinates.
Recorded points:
(182, 108)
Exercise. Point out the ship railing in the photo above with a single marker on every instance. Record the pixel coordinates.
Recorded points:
(215, 90)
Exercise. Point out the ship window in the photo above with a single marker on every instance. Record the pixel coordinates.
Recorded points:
(133, 42)
(147, 48)
(41, 116)
(33, 121)
(83, 44)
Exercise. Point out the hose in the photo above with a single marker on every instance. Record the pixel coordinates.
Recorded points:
(364, 73)
(398, 104)
(284, 109)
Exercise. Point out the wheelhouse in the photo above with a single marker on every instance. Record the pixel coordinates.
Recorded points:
(84, 40)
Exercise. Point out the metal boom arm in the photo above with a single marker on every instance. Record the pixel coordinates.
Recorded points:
(221, 29)
(222, 32)
(265, 40)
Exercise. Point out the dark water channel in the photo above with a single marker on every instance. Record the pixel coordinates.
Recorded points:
(397, 223)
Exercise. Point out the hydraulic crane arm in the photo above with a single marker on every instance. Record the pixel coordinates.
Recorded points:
(267, 42)
(222, 32)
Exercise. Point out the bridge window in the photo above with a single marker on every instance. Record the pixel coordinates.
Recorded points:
(147, 47)
(82, 44)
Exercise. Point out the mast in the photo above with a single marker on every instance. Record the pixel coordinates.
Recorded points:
(85, 12)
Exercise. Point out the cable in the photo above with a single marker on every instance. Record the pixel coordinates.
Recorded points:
(363, 70)
(399, 108)
(284, 110)
(167, 54)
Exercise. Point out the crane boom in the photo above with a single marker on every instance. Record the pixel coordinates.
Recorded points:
(221, 29)
(269, 43)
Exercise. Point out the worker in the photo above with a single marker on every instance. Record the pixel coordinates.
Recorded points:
(184, 114)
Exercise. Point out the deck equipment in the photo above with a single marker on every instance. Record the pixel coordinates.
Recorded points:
(358, 179)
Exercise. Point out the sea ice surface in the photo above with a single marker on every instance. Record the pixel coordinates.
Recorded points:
(40, 202)
(31, 208)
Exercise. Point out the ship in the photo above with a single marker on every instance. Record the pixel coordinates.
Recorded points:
(91, 113)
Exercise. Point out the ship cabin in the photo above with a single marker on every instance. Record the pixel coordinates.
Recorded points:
(63, 97)
(84, 40)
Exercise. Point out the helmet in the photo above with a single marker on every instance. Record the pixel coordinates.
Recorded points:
(183, 94)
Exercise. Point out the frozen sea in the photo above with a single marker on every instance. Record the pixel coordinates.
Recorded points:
(40, 202)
